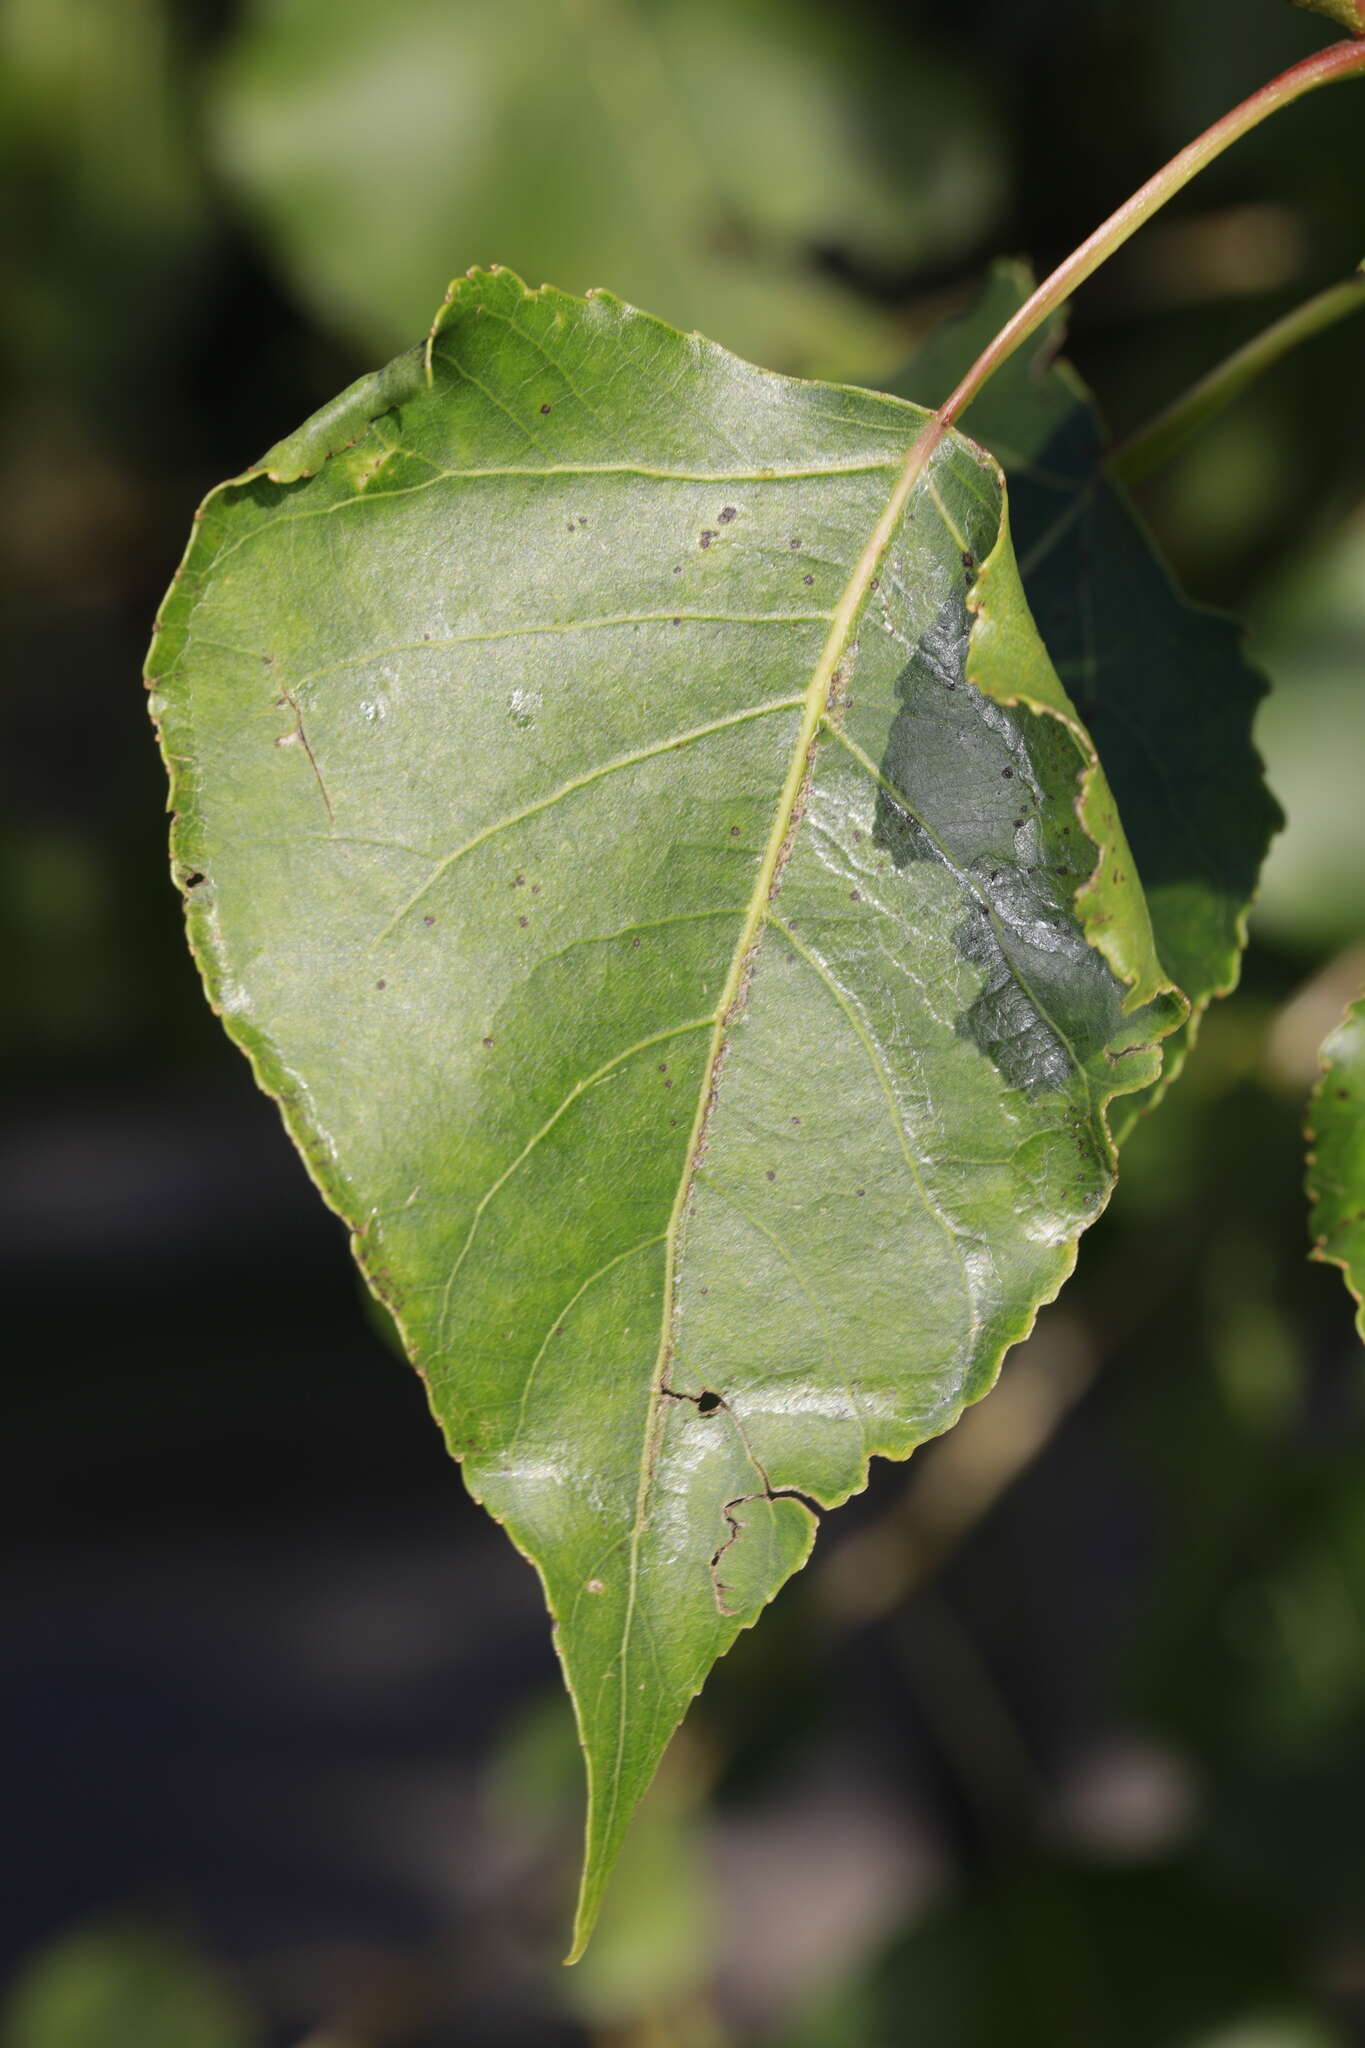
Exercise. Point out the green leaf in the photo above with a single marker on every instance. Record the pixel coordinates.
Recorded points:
(1162, 684)
(1336, 1160)
(657, 876)
(700, 158)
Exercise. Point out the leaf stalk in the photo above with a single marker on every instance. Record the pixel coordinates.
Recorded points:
(1154, 443)
(1324, 67)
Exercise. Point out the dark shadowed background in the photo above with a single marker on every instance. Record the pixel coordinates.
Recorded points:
(1060, 1741)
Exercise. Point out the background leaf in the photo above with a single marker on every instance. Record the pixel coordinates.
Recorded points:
(121, 1987)
(700, 159)
(95, 146)
(1349, 13)
(1161, 683)
(1310, 633)
(1336, 1171)
(669, 940)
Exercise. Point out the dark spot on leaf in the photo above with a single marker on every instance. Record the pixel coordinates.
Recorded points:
(771, 1174)
(708, 534)
(854, 897)
(860, 1191)
(808, 580)
(428, 920)
(570, 526)
(795, 543)
(1008, 774)
(968, 559)
(545, 408)
(488, 1041)
(677, 622)
(707, 1402)
(523, 921)
(1343, 1095)
(582, 522)
(875, 584)
(634, 943)
(727, 513)
(663, 1066)
(560, 1331)
(381, 984)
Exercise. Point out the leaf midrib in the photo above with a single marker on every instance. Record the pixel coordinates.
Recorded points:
(915, 463)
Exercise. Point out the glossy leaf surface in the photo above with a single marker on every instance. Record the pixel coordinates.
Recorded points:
(1163, 684)
(1336, 1161)
(672, 898)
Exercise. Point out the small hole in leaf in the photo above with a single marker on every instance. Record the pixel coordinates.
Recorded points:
(193, 881)
(707, 1403)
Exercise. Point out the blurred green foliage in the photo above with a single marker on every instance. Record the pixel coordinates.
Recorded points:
(121, 1987)
(1310, 635)
(1094, 1771)
(694, 157)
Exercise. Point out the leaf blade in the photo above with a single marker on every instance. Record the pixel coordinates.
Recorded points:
(671, 960)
